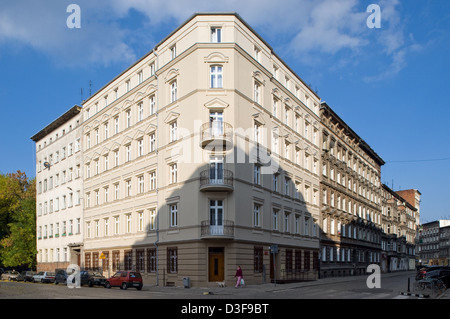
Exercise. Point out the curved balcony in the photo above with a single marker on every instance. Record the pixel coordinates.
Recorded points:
(218, 181)
(216, 134)
(226, 230)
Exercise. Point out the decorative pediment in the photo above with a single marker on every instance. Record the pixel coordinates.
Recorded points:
(258, 117)
(127, 140)
(216, 57)
(139, 134)
(257, 75)
(216, 104)
(172, 116)
(115, 146)
(104, 151)
(277, 93)
(171, 75)
(150, 128)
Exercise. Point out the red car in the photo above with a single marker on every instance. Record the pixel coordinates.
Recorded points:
(125, 279)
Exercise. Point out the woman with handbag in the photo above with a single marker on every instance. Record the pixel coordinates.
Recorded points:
(240, 277)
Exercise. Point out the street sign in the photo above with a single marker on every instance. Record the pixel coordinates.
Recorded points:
(102, 256)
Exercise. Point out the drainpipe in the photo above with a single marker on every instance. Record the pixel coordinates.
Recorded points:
(156, 151)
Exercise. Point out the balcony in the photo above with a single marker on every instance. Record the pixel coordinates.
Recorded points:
(226, 230)
(216, 134)
(215, 180)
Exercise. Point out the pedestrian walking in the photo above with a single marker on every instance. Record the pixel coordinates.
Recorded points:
(240, 277)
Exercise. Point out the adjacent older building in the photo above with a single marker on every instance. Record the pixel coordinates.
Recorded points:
(400, 229)
(59, 185)
(432, 239)
(351, 223)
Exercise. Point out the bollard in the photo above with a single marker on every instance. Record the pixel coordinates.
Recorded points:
(408, 283)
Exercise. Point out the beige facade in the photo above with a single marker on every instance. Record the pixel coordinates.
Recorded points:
(59, 187)
(199, 157)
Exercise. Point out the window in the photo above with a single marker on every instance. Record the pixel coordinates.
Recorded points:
(152, 105)
(216, 77)
(128, 183)
(128, 223)
(257, 174)
(256, 215)
(153, 180)
(173, 52)
(116, 225)
(173, 91)
(140, 77)
(128, 112)
(172, 260)
(116, 191)
(116, 125)
(216, 35)
(128, 152)
(275, 219)
(257, 53)
(152, 142)
(258, 259)
(173, 215)
(173, 131)
(106, 226)
(140, 112)
(257, 92)
(173, 173)
(140, 147)
(141, 184)
(152, 224)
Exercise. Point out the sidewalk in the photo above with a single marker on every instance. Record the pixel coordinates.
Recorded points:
(256, 290)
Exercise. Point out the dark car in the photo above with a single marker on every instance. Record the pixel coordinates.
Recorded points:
(92, 278)
(26, 275)
(442, 274)
(61, 276)
(125, 279)
(422, 272)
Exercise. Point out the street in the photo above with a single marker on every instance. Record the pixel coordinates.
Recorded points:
(329, 288)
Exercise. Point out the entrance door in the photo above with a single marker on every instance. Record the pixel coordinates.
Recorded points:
(216, 257)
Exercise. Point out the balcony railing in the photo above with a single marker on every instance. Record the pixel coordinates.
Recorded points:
(216, 134)
(226, 230)
(218, 181)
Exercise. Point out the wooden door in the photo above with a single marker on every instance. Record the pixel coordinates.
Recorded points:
(216, 265)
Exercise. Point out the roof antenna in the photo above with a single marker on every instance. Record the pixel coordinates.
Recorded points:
(90, 87)
(81, 95)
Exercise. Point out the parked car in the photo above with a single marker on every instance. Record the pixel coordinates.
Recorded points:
(44, 276)
(10, 275)
(442, 274)
(60, 276)
(26, 275)
(92, 278)
(421, 273)
(125, 279)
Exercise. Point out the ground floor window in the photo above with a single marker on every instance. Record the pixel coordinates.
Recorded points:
(172, 260)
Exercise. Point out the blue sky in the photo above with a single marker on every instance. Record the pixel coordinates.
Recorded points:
(390, 84)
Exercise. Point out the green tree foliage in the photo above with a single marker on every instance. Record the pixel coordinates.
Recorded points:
(17, 220)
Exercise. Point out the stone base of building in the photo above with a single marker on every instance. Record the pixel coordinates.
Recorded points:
(204, 263)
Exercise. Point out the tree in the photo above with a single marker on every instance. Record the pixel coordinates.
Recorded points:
(17, 220)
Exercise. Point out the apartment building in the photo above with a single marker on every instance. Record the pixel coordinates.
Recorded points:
(431, 242)
(400, 228)
(351, 223)
(59, 185)
(202, 156)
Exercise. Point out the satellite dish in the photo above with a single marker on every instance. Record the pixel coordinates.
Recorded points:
(47, 165)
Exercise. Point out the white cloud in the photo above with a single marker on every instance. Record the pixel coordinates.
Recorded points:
(309, 29)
